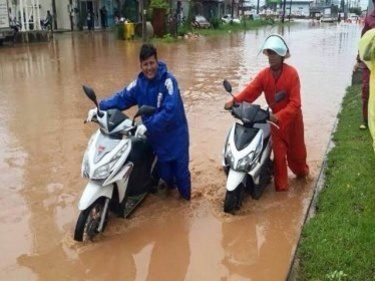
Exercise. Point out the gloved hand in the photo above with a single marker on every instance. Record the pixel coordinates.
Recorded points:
(91, 114)
(141, 130)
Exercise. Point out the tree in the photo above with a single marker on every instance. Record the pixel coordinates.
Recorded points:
(355, 10)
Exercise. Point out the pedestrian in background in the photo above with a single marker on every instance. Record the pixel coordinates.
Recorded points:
(90, 20)
(103, 17)
(367, 55)
(369, 24)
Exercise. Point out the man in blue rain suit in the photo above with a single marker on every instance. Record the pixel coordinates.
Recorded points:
(167, 129)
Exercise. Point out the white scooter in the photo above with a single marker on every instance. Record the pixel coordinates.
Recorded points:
(247, 152)
(118, 165)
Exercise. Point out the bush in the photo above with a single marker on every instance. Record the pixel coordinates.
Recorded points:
(183, 29)
(215, 22)
(168, 38)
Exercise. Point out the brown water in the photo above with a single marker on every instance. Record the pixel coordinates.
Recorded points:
(43, 138)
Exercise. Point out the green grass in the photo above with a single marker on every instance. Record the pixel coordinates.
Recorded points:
(222, 29)
(228, 28)
(339, 242)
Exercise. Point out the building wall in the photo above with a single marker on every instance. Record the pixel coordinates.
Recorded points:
(300, 9)
(296, 8)
(62, 14)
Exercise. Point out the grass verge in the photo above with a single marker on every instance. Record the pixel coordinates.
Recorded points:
(338, 243)
(228, 28)
(222, 29)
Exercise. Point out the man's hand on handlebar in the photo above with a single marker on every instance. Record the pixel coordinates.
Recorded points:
(273, 118)
(229, 104)
(91, 114)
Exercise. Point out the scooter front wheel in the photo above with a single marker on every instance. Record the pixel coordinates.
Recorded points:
(88, 221)
(233, 199)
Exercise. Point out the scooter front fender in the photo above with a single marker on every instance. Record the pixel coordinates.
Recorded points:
(92, 192)
(234, 179)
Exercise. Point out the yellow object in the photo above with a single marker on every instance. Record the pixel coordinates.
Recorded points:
(128, 30)
(367, 55)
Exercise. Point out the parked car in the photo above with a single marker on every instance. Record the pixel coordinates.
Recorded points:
(200, 21)
(228, 18)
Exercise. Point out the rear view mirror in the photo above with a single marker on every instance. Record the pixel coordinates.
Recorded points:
(227, 86)
(90, 94)
(279, 96)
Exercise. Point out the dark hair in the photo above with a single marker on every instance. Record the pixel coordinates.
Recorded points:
(147, 50)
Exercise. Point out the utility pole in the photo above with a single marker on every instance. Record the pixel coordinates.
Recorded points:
(144, 31)
(54, 14)
(70, 11)
(283, 17)
(257, 6)
(232, 9)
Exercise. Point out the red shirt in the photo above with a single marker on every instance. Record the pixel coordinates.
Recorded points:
(287, 109)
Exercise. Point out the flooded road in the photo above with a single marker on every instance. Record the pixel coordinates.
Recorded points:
(42, 108)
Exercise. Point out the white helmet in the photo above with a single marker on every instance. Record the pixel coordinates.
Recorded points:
(277, 44)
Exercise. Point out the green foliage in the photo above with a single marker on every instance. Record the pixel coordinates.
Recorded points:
(336, 275)
(229, 28)
(336, 242)
(159, 4)
(215, 22)
(183, 29)
(355, 10)
(168, 38)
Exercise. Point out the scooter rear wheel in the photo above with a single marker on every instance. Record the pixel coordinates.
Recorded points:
(233, 199)
(88, 221)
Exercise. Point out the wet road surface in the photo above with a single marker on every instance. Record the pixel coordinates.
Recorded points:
(43, 138)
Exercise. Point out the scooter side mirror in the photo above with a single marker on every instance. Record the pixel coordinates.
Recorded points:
(279, 96)
(227, 86)
(90, 94)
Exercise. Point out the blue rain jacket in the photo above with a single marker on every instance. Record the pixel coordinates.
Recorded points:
(167, 129)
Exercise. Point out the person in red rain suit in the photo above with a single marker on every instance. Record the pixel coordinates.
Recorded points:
(288, 140)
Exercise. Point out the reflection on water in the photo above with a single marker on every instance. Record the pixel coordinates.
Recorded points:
(42, 108)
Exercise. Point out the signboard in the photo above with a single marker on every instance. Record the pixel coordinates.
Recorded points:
(4, 16)
(327, 11)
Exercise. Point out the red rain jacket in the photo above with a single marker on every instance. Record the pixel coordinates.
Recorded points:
(288, 141)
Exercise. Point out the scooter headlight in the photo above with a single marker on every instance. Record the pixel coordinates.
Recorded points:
(245, 162)
(229, 155)
(85, 169)
(104, 171)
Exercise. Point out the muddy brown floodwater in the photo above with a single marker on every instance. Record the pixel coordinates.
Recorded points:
(43, 139)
